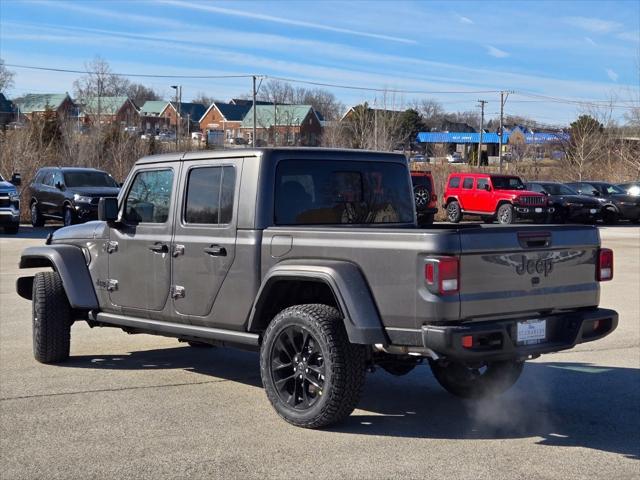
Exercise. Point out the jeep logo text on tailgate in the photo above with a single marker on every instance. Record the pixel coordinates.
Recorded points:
(541, 266)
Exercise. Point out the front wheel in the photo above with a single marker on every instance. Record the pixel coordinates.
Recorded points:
(37, 220)
(454, 213)
(506, 214)
(312, 374)
(68, 216)
(51, 318)
(485, 379)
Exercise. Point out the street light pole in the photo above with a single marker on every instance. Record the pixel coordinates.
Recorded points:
(178, 89)
(482, 104)
(503, 99)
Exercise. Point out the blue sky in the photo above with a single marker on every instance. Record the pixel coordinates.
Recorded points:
(587, 50)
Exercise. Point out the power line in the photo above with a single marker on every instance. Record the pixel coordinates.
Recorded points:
(142, 75)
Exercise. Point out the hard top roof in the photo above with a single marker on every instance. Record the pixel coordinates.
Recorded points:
(306, 153)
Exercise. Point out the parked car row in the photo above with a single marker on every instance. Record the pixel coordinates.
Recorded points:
(507, 199)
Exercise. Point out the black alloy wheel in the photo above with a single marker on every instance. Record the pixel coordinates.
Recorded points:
(298, 367)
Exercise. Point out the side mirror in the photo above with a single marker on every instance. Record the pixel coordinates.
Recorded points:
(16, 179)
(596, 193)
(544, 192)
(108, 209)
(59, 186)
(487, 187)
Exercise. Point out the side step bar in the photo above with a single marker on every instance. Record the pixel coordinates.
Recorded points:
(178, 329)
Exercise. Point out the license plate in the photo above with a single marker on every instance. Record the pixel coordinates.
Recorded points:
(532, 331)
(538, 210)
(593, 210)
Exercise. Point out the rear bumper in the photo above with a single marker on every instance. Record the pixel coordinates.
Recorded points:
(497, 340)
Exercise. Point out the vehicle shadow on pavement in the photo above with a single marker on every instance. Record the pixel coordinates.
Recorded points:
(565, 404)
(228, 364)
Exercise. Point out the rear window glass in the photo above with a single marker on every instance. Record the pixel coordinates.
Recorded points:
(318, 192)
(468, 183)
(454, 182)
(422, 181)
(507, 183)
(89, 179)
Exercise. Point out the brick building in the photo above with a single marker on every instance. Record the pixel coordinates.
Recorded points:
(224, 117)
(284, 125)
(190, 113)
(109, 110)
(35, 105)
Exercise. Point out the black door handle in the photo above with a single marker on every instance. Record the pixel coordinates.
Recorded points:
(159, 247)
(216, 251)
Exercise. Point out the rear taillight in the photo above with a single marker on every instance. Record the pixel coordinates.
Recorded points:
(442, 275)
(605, 265)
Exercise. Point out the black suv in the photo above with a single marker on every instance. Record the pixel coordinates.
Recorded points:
(569, 205)
(69, 194)
(616, 203)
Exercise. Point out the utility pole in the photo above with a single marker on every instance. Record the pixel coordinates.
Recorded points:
(482, 104)
(503, 98)
(253, 141)
(375, 123)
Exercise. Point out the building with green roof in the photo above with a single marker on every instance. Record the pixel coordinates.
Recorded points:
(34, 104)
(284, 124)
(108, 110)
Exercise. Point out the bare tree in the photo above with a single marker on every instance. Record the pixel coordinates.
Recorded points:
(139, 94)
(6, 77)
(204, 99)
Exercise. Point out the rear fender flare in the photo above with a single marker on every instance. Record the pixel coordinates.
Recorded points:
(350, 290)
(70, 263)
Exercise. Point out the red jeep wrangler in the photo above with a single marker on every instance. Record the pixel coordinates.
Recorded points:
(425, 197)
(492, 196)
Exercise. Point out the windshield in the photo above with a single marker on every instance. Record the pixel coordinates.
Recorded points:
(557, 189)
(89, 179)
(609, 188)
(316, 192)
(507, 183)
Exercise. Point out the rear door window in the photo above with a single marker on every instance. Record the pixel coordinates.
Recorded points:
(317, 192)
(454, 182)
(210, 195)
(482, 183)
(468, 183)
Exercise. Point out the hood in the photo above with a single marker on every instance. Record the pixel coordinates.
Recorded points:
(88, 231)
(6, 187)
(623, 197)
(584, 199)
(95, 191)
(527, 193)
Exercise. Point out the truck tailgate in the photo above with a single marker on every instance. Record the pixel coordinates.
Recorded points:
(515, 270)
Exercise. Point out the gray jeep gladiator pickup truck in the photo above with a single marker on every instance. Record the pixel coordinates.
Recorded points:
(313, 257)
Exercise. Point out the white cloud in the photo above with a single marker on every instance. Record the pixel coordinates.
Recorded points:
(466, 20)
(631, 36)
(612, 74)
(590, 41)
(496, 52)
(285, 21)
(595, 25)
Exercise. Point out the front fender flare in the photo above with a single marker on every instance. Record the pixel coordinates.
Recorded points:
(349, 287)
(71, 265)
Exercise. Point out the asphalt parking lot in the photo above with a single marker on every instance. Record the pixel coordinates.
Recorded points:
(138, 406)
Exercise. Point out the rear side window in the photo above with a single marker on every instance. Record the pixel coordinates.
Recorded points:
(210, 195)
(468, 183)
(454, 182)
(318, 192)
(482, 183)
(149, 198)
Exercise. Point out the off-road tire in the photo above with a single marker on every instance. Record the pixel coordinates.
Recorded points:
(37, 220)
(454, 213)
(12, 229)
(505, 214)
(461, 380)
(51, 319)
(344, 365)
